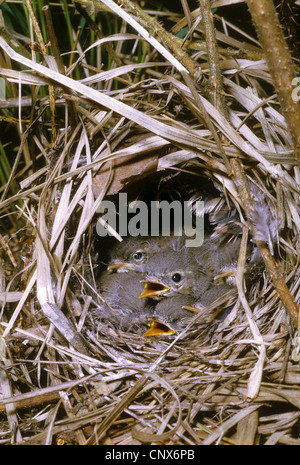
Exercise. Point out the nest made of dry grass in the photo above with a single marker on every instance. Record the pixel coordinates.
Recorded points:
(229, 382)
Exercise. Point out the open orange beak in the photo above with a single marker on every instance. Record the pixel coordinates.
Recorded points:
(159, 329)
(153, 288)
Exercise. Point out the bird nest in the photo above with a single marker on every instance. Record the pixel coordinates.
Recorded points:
(148, 127)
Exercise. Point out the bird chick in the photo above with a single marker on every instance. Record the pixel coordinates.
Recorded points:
(170, 316)
(134, 252)
(121, 304)
(182, 282)
(168, 274)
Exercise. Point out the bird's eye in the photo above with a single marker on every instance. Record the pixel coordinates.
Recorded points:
(176, 277)
(138, 256)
